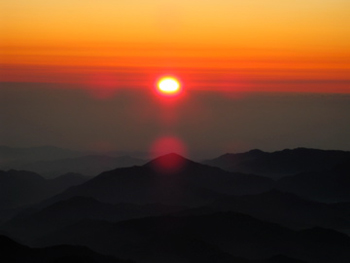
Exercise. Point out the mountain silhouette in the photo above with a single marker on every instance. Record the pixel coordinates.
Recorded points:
(280, 163)
(34, 223)
(20, 188)
(90, 165)
(189, 184)
(172, 209)
(12, 252)
(286, 209)
(13, 158)
(331, 185)
(179, 238)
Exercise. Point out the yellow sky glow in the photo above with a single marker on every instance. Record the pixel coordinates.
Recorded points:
(252, 34)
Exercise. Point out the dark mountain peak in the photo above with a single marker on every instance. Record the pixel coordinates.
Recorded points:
(171, 156)
(169, 163)
(256, 151)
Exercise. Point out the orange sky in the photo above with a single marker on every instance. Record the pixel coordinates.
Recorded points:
(268, 45)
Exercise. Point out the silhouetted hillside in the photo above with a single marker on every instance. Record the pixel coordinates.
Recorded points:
(343, 207)
(12, 252)
(281, 163)
(281, 259)
(191, 238)
(331, 185)
(19, 188)
(88, 165)
(286, 209)
(189, 184)
(173, 210)
(12, 158)
(34, 223)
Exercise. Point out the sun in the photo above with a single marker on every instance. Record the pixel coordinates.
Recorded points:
(169, 86)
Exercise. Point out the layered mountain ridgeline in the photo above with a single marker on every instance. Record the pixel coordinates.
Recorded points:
(50, 162)
(37, 222)
(273, 206)
(13, 252)
(280, 163)
(21, 188)
(198, 237)
(90, 165)
(189, 184)
(329, 185)
(12, 157)
(175, 210)
(287, 209)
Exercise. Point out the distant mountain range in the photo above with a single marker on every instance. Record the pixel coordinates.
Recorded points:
(52, 162)
(173, 210)
(193, 184)
(281, 163)
(11, 156)
(329, 185)
(21, 188)
(91, 165)
(287, 209)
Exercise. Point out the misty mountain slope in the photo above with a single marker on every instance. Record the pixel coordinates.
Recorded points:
(20, 188)
(88, 165)
(12, 252)
(155, 239)
(280, 163)
(343, 207)
(286, 209)
(331, 185)
(35, 223)
(13, 158)
(191, 184)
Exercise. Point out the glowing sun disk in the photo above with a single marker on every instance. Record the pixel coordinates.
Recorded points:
(169, 85)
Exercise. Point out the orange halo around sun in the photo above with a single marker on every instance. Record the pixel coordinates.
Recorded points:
(169, 86)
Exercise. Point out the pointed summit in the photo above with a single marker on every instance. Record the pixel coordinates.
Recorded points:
(174, 156)
(169, 163)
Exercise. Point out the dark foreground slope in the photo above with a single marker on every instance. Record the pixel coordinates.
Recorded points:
(194, 238)
(287, 209)
(12, 252)
(34, 223)
(19, 188)
(329, 185)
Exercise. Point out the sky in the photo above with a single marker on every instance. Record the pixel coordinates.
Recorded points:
(254, 74)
